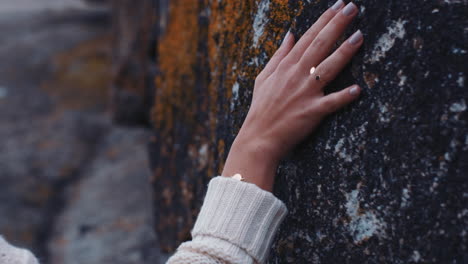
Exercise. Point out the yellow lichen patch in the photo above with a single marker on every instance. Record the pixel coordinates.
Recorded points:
(83, 75)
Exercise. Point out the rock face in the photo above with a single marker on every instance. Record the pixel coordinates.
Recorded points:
(73, 185)
(383, 180)
(108, 218)
(134, 44)
(45, 140)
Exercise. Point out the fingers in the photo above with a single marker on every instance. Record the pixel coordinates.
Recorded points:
(284, 49)
(334, 64)
(313, 31)
(333, 102)
(323, 43)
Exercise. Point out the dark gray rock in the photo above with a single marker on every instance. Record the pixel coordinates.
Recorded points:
(382, 181)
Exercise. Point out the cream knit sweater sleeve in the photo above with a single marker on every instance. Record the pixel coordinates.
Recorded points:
(13, 255)
(236, 224)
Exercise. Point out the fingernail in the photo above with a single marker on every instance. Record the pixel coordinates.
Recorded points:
(354, 90)
(356, 37)
(337, 5)
(349, 9)
(286, 37)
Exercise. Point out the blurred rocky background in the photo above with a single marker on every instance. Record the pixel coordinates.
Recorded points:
(73, 183)
(115, 115)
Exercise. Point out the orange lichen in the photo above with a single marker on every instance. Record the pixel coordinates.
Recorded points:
(279, 18)
(177, 58)
(221, 155)
(228, 46)
(175, 116)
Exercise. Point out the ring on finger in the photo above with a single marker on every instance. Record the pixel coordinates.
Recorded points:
(313, 71)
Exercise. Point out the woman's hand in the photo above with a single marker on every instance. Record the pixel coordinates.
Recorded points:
(288, 100)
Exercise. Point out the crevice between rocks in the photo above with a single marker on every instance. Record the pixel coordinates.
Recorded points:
(58, 200)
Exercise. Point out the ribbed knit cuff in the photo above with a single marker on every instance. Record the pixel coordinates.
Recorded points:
(241, 213)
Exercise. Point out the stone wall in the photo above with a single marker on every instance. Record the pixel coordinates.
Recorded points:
(382, 181)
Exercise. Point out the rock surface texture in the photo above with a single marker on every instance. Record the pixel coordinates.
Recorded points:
(108, 217)
(45, 140)
(382, 181)
(73, 185)
(134, 40)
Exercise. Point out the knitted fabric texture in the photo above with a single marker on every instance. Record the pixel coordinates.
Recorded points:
(236, 224)
(13, 255)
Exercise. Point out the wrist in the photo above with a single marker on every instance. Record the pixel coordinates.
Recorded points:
(254, 160)
(260, 146)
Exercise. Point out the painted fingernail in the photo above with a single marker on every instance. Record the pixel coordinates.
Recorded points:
(355, 38)
(286, 37)
(349, 9)
(354, 90)
(337, 5)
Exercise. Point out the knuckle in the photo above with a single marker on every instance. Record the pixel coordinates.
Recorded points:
(284, 66)
(290, 80)
(318, 42)
(309, 35)
(325, 74)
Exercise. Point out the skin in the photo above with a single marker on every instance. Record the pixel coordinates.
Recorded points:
(288, 102)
